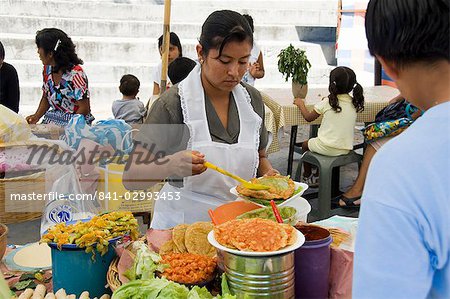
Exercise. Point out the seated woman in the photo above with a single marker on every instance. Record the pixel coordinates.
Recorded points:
(224, 119)
(65, 88)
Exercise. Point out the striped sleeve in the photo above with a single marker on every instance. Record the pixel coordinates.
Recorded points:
(80, 84)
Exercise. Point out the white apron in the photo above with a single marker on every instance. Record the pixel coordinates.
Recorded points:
(209, 189)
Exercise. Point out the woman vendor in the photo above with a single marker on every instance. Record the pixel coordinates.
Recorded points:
(224, 121)
(65, 87)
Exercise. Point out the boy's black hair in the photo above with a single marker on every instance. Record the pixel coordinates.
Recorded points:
(2, 51)
(129, 85)
(343, 81)
(174, 40)
(250, 21)
(408, 31)
(179, 69)
(57, 41)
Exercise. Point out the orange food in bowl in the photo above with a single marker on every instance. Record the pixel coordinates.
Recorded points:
(189, 268)
(230, 211)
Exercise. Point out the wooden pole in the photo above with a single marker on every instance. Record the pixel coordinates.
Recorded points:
(165, 46)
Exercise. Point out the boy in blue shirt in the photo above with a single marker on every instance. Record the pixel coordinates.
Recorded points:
(403, 243)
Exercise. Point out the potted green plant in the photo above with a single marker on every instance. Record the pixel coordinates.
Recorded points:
(292, 62)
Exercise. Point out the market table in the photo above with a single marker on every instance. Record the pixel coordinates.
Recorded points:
(286, 114)
(271, 126)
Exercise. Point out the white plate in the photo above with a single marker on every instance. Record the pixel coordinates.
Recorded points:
(297, 185)
(299, 242)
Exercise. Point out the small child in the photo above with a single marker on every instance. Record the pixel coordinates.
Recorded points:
(129, 108)
(179, 69)
(255, 61)
(335, 135)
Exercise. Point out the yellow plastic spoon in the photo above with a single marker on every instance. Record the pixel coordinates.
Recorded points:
(246, 184)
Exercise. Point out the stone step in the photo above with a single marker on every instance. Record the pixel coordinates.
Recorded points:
(217, 4)
(252, 4)
(31, 89)
(105, 73)
(144, 50)
(98, 72)
(101, 94)
(101, 109)
(130, 28)
(323, 13)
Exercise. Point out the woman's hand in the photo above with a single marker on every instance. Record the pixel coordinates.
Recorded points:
(187, 163)
(32, 119)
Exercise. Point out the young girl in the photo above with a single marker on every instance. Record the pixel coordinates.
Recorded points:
(175, 51)
(335, 135)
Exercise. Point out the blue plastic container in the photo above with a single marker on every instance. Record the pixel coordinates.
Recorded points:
(75, 271)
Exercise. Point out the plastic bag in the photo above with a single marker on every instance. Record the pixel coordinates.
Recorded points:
(66, 201)
(383, 129)
(114, 132)
(13, 127)
(396, 110)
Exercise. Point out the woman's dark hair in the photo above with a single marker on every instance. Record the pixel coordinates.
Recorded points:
(56, 41)
(129, 85)
(174, 40)
(408, 31)
(342, 81)
(2, 51)
(250, 21)
(179, 69)
(222, 27)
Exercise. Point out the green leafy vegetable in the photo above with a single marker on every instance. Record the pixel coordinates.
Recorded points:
(22, 285)
(174, 290)
(199, 293)
(224, 285)
(27, 276)
(148, 289)
(145, 263)
(287, 213)
(161, 288)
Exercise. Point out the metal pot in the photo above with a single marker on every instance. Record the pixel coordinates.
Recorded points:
(259, 277)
